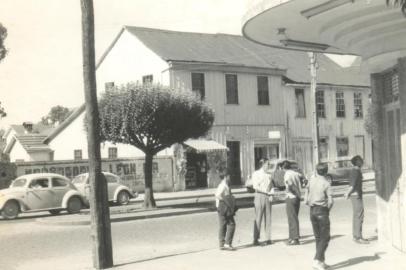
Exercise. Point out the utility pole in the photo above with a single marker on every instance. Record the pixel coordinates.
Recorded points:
(315, 120)
(99, 210)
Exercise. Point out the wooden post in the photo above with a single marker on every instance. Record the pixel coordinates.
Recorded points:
(315, 122)
(99, 210)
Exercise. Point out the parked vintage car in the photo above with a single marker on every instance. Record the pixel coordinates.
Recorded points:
(40, 192)
(117, 192)
(338, 171)
(276, 173)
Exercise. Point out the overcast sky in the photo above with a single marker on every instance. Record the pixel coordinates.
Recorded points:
(43, 67)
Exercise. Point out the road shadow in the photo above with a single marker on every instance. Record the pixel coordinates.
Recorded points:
(161, 257)
(306, 242)
(356, 260)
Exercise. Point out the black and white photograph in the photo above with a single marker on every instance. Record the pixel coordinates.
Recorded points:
(196, 135)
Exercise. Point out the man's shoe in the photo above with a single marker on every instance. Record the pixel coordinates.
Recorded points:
(293, 242)
(255, 243)
(269, 242)
(318, 265)
(228, 247)
(326, 266)
(361, 241)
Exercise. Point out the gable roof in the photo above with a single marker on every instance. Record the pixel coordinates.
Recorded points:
(36, 129)
(33, 142)
(174, 46)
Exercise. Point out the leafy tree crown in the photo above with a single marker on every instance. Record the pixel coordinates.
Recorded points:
(152, 117)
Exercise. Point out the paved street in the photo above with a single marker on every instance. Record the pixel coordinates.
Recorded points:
(26, 245)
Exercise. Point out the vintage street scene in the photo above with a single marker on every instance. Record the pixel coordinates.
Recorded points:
(215, 134)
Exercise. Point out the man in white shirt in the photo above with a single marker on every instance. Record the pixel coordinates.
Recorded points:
(261, 182)
(225, 204)
(293, 194)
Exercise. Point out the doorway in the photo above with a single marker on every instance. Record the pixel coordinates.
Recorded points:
(233, 162)
(196, 170)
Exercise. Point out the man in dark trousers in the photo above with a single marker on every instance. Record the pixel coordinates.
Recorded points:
(355, 193)
(226, 208)
(293, 195)
(319, 197)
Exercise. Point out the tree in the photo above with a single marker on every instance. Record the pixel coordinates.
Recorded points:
(3, 35)
(152, 118)
(99, 210)
(400, 3)
(3, 52)
(57, 114)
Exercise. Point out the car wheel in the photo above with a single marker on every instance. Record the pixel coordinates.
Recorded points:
(55, 211)
(123, 198)
(10, 210)
(74, 205)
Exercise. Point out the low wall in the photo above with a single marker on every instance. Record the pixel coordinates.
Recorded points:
(131, 170)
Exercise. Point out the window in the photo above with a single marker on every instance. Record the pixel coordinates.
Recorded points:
(320, 105)
(358, 105)
(263, 90)
(232, 89)
(58, 182)
(342, 146)
(112, 152)
(340, 105)
(77, 154)
(108, 86)
(391, 86)
(39, 183)
(147, 79)
(300, 103)
(323, 148)
(198, 84)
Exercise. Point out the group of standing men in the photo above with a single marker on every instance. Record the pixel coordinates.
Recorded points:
(318, 196)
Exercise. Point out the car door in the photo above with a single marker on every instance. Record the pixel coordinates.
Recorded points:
(60, 187)
(39, 194)
(112, 185)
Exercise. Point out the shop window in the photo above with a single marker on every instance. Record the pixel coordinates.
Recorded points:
(358, 112)
(320, 105)
(231, 89)
(269, 151)
(340, 105)
(198, 84)
(300, 103)
(342, 146)
(263, 90)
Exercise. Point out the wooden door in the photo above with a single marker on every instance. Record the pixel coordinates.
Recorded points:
(233, 162)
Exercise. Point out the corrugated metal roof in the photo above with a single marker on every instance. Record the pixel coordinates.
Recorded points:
(33, 142)
(236, 50)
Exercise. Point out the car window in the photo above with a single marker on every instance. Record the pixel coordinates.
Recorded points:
(59, 182)
(110, 178)
(39, 183)
(19, 182)
(80, 179)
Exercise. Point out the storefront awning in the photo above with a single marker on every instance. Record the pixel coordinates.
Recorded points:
(203, 146)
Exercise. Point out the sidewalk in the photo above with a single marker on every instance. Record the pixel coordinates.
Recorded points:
(175, 203)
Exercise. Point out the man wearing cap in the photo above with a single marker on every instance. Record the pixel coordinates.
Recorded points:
(355, 194)
(319, 197)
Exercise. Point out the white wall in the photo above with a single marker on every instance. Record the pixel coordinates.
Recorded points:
(128, 61)
(18, 152)
(73, 137)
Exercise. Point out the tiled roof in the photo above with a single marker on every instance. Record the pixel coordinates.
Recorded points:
(37, 129)
(236, 50)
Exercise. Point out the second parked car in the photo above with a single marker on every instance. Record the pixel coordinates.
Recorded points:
(117, 192)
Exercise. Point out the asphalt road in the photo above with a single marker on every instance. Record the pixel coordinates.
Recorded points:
(24, 243)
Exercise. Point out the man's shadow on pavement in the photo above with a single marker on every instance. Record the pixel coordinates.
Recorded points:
(305, 242)
(356, 260)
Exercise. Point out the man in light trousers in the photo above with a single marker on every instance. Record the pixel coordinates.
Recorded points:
(261, 182)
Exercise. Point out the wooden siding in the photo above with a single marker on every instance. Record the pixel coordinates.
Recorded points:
(331, 126)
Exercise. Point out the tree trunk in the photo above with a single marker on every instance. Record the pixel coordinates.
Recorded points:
(149, 201)
(99, 210)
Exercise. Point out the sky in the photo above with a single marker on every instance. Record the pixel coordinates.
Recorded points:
(44, 65)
